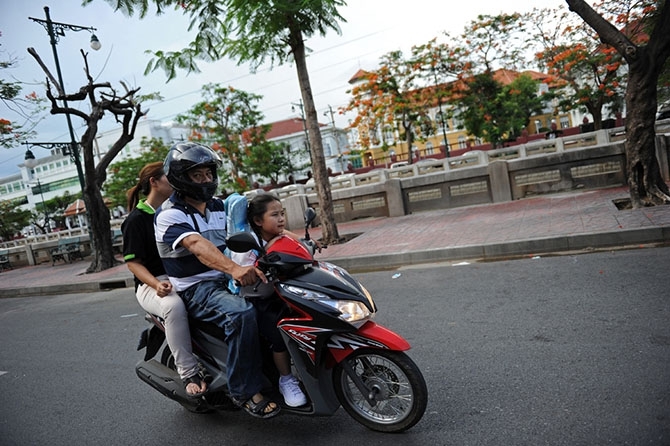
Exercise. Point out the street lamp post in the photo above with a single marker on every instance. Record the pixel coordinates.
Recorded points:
(55, 30)
(439, 106)
(44, 205)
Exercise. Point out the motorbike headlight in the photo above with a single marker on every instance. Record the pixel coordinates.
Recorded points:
(350, 311)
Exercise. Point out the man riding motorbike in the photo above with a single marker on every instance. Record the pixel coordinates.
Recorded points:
(191, 235)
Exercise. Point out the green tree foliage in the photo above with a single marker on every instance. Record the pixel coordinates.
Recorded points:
(481, 108)
(229, 121)
(124, 173)
(54, 208)
(255, 31)
(497, 112)
(12, 219)
(493, 42)
(488, 107)
(269, 160)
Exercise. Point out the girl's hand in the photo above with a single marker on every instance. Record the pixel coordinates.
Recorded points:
(272, 240)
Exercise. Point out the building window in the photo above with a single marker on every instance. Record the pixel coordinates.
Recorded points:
(565, 122)
(429, 148)
(387, 134)
(441, 117)
(462, 142)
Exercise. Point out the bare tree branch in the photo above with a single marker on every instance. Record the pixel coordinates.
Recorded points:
(37, 57)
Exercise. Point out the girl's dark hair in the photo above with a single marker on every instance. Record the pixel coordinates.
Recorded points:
(257, 207)
(143, 186)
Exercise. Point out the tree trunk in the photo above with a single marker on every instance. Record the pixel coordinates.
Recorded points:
(597, 114)
(127, 110)
(321, 181)
(409, 139)
(100, 231)
(645, 63)
(645, 181)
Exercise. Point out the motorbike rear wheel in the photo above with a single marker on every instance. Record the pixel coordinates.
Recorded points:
(393, 382)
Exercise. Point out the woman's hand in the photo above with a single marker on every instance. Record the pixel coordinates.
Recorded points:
(163, 288)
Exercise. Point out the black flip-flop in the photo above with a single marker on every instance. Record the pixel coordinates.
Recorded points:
(257, 410)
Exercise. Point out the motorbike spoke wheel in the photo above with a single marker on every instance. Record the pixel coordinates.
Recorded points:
(394, 384)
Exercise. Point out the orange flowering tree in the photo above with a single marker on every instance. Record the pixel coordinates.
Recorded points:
(591, 75)
(21, 112)
(466, 77)
(389, 98)
(638, 31)
(646, 58)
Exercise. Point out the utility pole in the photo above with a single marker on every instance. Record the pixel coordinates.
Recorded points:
(336, 136)
(304, 123)
(439, 106)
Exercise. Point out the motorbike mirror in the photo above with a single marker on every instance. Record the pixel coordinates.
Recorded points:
(310, 215)
(243, 242)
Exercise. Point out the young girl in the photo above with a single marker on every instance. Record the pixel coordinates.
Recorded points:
(266, 218)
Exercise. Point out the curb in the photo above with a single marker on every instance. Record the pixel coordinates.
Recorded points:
(509, 250)
(69, 288)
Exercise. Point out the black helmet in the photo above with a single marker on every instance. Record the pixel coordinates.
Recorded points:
(183, 157)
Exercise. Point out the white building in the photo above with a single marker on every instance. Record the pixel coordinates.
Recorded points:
(292, 133)
(53, 173)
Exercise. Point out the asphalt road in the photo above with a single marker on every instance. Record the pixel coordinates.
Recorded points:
(571, 350)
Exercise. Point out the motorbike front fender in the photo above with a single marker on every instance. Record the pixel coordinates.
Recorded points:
(369, 335)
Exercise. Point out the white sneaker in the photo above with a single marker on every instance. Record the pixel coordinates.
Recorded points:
(290, 390)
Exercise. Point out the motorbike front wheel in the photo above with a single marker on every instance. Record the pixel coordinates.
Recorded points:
(395, 395)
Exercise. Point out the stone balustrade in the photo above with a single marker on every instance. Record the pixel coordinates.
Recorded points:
(570, 163)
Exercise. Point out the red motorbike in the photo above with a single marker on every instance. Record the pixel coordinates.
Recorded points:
(341, 356)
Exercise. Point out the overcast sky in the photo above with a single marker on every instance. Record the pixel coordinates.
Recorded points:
(373, 28)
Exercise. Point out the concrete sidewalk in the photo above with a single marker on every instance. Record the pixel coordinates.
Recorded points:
(579, 221)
